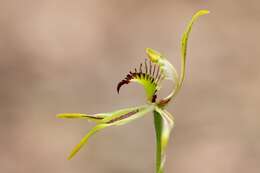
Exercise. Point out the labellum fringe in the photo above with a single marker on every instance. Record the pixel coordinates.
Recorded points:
(149, 75)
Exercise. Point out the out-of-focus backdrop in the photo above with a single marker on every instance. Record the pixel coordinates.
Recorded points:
(67, 56)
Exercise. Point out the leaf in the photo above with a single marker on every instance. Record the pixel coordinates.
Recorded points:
(164, 123)
(118, 117)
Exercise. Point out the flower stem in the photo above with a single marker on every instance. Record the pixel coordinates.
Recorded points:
(158, 131)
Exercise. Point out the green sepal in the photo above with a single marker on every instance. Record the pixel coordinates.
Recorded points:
(95, 118)
(84, 140)
(119, 113)
(116, 118)
(184, 44)
(142, 111)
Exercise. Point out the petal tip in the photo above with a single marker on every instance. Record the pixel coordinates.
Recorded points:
(70, 157)
(202, 12)
(59, 116)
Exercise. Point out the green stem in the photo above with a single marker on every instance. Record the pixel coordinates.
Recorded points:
(158, 131)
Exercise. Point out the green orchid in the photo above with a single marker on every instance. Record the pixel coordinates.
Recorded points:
(149, 74)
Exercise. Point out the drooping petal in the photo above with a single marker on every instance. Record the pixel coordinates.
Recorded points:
(118, 117)
(164, 123)
(84, 140)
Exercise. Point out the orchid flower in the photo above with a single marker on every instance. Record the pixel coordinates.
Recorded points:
(150, 75)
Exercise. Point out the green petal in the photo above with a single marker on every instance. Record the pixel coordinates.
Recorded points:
(96, 118)
(118, 117)
(85, 139)
(184, 43)
(164, 123)
(134, 114)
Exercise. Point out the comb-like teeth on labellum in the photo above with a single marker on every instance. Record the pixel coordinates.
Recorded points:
(148, 75)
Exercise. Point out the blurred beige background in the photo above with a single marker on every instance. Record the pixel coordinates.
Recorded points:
(67, 56)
